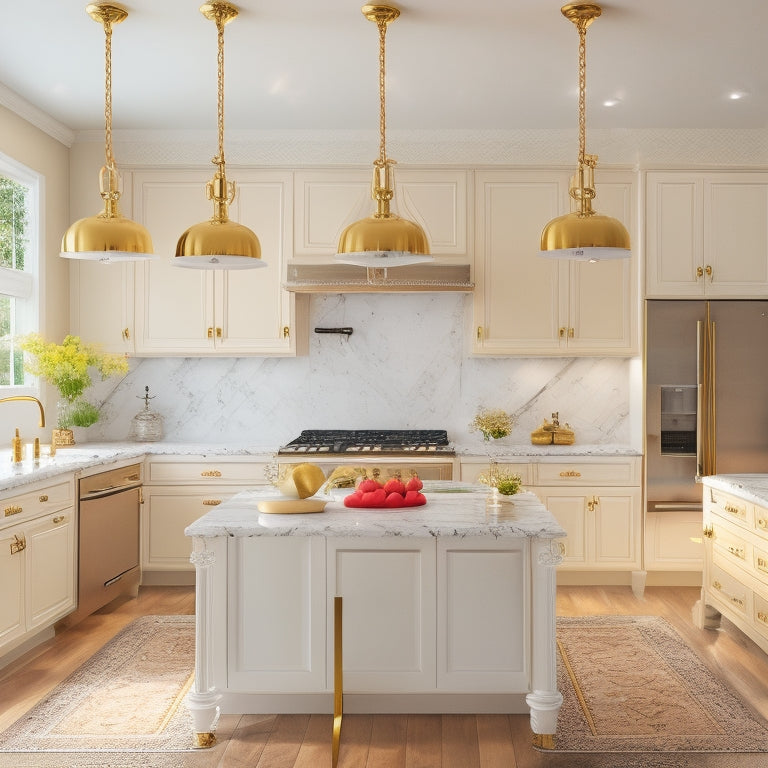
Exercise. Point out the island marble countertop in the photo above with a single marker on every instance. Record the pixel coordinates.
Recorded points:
(453, 509)
(752, 488)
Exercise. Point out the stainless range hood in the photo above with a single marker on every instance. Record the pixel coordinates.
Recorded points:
(346, 278)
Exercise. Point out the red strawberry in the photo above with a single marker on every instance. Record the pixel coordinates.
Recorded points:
(394, 500)
(374, 498)
(394, 485)
(354, 500)
(414, 484)
(368, 485)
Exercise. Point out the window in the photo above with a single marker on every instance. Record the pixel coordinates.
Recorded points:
(19, 285)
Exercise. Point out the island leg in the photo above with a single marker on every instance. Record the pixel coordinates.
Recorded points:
(203, 700)
(544, 699)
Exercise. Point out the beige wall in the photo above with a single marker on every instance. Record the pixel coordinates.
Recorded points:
(43, 154)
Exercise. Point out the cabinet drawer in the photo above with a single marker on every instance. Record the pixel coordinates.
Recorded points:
(732, 548)
(208, 472)
(48, 498)
(728, 590)
(587, 473)
(730, 507)
(471, 470)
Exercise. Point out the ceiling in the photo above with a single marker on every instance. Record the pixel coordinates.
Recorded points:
(451, 64)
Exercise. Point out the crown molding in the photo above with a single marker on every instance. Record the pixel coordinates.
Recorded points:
(42, 120)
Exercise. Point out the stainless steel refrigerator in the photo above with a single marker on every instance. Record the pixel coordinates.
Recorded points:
(706, 396)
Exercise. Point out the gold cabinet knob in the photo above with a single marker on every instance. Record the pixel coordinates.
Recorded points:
(210, 333)
(43, 498)
(709, 532)
(126, 333)
(58, 519)
(699, 271)
(19, 544)
(479, 332)
(286, 332)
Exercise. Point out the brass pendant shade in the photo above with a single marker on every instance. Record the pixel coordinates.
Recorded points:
(219, 243)
(583, 234)
(108, 236)
(383, 239)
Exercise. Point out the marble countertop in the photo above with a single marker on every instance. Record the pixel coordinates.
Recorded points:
(453, 509)
(752, 488)
(87, 455)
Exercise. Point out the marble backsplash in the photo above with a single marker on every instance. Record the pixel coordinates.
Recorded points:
(407, 365)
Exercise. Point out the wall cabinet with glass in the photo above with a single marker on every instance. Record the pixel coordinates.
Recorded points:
(707, 234)
(525, 304)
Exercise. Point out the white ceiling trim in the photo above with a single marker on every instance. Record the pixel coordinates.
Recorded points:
(20, 106)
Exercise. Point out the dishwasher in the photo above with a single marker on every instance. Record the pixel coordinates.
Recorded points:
(108, 560)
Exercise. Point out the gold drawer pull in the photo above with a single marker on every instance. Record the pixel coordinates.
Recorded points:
(211, 502)
(738, 551)
(762, 616)
(59, 519)
(709, 532)
(762, 523)
(133, 477)
(44, 498)
(210, 473)
(592, 503)
(735, 600)
(570, 473)
(19, 544)
(13, 510)
(734, 510)
(762, 564)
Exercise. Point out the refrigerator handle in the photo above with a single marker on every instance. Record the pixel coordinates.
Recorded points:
(705, 411)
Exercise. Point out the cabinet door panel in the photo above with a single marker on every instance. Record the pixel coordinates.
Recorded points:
(277, 618)
(519, 295)
(12, 568)
(51, 568)
(251, 308)
(570, 511)
(736, 234)
(615, 540)
(483, 626)
(174, 307)
(388, 605)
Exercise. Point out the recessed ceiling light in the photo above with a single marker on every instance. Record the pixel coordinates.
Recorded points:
(736, 95)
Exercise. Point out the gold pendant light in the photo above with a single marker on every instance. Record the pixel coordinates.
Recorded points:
(384, 239)
(584, 234)
(108, 236)
(219, 243)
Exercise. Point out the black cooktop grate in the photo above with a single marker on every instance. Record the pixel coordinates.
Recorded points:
(369, 441)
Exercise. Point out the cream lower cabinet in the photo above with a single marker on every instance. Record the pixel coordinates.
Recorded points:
(388, 600)
(178, 491)
(735, 579)
(673, 541)
(216, 312)
(483, 630)
(525, 304)
(706, 234)
(38, 567)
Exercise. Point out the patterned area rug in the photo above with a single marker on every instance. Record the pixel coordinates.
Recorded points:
(631, 684)
(127, 700)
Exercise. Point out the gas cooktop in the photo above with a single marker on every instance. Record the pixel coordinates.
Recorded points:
(367, 441)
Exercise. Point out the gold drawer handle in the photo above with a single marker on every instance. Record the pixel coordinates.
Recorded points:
(592, 503)
(19, 544)
(210, 473)
(43, 498)
(133, 477)
(762, 564)
(732, 509)
(13, 510)
(211, 502)
(762, 616)
(738, 551)
(709, 532)
(570, 473)
(762, 523)
(59, 519)
(735, 600)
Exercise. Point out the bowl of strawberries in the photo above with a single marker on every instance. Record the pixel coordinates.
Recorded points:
(392, 494)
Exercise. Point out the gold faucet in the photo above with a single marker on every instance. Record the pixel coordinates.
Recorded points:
(16, 398)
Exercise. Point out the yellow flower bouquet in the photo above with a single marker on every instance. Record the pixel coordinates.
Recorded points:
(67, 366)
(493, 423)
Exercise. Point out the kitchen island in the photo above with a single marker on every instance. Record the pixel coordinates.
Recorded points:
(448, 607)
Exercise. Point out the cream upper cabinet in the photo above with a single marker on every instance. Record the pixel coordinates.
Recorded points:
(525, 304)
(329, 200)
(210, 312)
(707, 234)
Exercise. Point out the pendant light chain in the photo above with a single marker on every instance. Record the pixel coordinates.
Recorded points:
(220, 60)
(582, 27)
(108, 93)
(382, 25)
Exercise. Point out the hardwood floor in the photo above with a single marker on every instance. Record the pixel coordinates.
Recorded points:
(400, 741)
